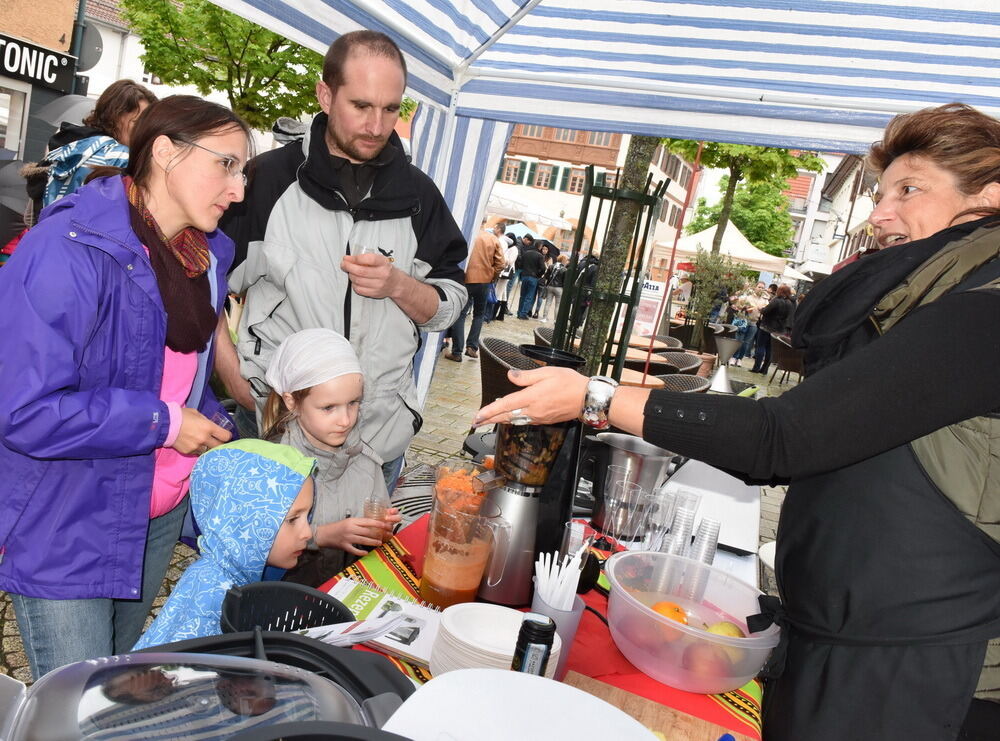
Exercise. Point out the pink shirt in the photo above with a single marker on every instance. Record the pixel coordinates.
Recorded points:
(172, 471)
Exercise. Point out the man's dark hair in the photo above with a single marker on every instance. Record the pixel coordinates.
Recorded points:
(377, 44)
(528, 239)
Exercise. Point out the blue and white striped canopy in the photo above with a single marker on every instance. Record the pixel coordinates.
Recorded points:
(816, 74)
(820, 75)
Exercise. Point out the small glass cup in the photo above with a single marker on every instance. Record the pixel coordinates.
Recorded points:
(376, 508)
(223, 421)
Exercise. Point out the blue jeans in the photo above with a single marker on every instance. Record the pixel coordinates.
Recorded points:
(762, 355)
(528, 287)
(540, 295)
(746, 334)
(390, 470)
(60, 632)
(511, 283)
(477, 302)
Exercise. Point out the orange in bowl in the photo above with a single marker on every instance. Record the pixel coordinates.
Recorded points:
(673, 611)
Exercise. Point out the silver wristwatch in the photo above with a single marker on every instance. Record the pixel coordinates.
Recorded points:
(600, 390)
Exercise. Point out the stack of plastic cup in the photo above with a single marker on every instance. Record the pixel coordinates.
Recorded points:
(678, 543)
(706, 541)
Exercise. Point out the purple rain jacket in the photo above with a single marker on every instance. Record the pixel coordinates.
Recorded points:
(82, 336)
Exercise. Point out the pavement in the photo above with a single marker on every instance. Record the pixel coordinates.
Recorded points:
(452, 402)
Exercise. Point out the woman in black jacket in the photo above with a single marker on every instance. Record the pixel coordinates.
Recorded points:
(888, 547)
(775, 318)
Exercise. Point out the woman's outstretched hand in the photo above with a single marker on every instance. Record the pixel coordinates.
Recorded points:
(199, 434)
(549, 395)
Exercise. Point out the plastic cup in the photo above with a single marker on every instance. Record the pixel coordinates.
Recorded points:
(377, 509)
(223, 421)
(567, 621)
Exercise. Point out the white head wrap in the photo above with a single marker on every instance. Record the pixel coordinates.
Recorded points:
(309, 358)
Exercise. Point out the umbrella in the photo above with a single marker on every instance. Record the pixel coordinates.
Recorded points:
(12, 192)
(520, 229)
(69, 108)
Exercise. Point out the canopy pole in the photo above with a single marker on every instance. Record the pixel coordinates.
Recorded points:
(497, 35)
(668, 294)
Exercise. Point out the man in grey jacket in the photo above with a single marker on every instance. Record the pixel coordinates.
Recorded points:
(341, 231)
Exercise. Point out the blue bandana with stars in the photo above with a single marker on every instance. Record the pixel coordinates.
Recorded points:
(240, 494)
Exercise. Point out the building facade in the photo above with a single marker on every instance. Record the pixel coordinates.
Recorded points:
(545, 167)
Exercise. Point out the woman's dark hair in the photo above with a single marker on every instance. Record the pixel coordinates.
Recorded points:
(182, 118)
(955, 137)
(121, 98)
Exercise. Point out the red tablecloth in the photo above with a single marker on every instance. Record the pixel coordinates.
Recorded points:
(593, 653)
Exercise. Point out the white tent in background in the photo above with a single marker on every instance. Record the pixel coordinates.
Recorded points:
(823, 76)
(794, 274)
(511, 208)
(734, 244)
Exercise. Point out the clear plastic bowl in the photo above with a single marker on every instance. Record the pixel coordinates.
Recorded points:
(688, 657)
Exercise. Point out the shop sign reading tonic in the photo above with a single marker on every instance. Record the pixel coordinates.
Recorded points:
(36, 64)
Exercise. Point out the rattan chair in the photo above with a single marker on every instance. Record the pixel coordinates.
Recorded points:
(786, 359)
(686, 362)
(685, 383)
(671, 342)
(543, 336)
(658, 365)
(498, 356)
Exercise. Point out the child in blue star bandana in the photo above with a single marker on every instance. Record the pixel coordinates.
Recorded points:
(252, 499)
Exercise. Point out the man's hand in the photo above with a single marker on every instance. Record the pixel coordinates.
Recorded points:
(372, 275)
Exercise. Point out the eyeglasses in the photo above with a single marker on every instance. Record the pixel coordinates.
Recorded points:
(232, 165)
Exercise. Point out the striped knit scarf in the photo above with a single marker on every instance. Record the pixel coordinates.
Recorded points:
(180, 266)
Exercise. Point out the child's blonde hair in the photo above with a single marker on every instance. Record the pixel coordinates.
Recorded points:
(277, 415)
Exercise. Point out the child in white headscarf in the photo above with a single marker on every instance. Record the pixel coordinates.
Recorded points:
(317, 386)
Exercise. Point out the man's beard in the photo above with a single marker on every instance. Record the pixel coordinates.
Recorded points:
(349, 149)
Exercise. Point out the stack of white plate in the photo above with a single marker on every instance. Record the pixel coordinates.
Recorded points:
(477, 635)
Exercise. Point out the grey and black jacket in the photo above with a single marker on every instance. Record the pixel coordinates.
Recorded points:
(291, 233)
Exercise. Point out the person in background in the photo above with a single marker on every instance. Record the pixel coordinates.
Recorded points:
(555, 289)
(507, 276)
(341, 231)
(102, 141)
(747, 307)
(531, 264)
(317, 391)
(253, 499)
(775, 318)
(888, 546)
(112, 301)
(515, 277)
(543, 282)
(485, 263)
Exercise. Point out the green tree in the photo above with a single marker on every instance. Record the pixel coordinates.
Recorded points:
(264, 75)
(760, 211)
(753, 164)
(714, 273)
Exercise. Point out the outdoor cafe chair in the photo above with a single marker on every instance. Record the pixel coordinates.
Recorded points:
(787, 359)
(686, 362)
(671, 342)
(685, 383)
(543, 336)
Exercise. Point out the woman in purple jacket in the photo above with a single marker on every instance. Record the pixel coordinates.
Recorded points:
(110, 306)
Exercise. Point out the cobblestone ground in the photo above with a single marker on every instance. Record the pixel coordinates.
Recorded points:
(454, 397)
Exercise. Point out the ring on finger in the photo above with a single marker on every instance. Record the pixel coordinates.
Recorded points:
(518, 417)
